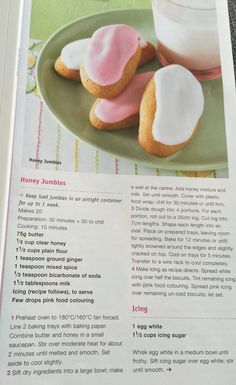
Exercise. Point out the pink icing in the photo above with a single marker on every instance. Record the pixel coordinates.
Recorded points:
(127, 103)
(110, 50)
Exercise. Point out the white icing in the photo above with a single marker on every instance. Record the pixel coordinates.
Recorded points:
(143, 42)
(72, 54)
(179, 105)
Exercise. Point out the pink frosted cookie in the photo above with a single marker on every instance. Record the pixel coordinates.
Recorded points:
(68, 63)
(111, 60)
(123, 110)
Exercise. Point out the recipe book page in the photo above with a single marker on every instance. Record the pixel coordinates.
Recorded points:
(119, 255)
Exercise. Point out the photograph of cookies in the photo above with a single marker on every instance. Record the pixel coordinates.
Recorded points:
(68, 63)
(141, 84)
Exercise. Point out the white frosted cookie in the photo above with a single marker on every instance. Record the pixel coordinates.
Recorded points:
(171, 107)
(68, 63)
